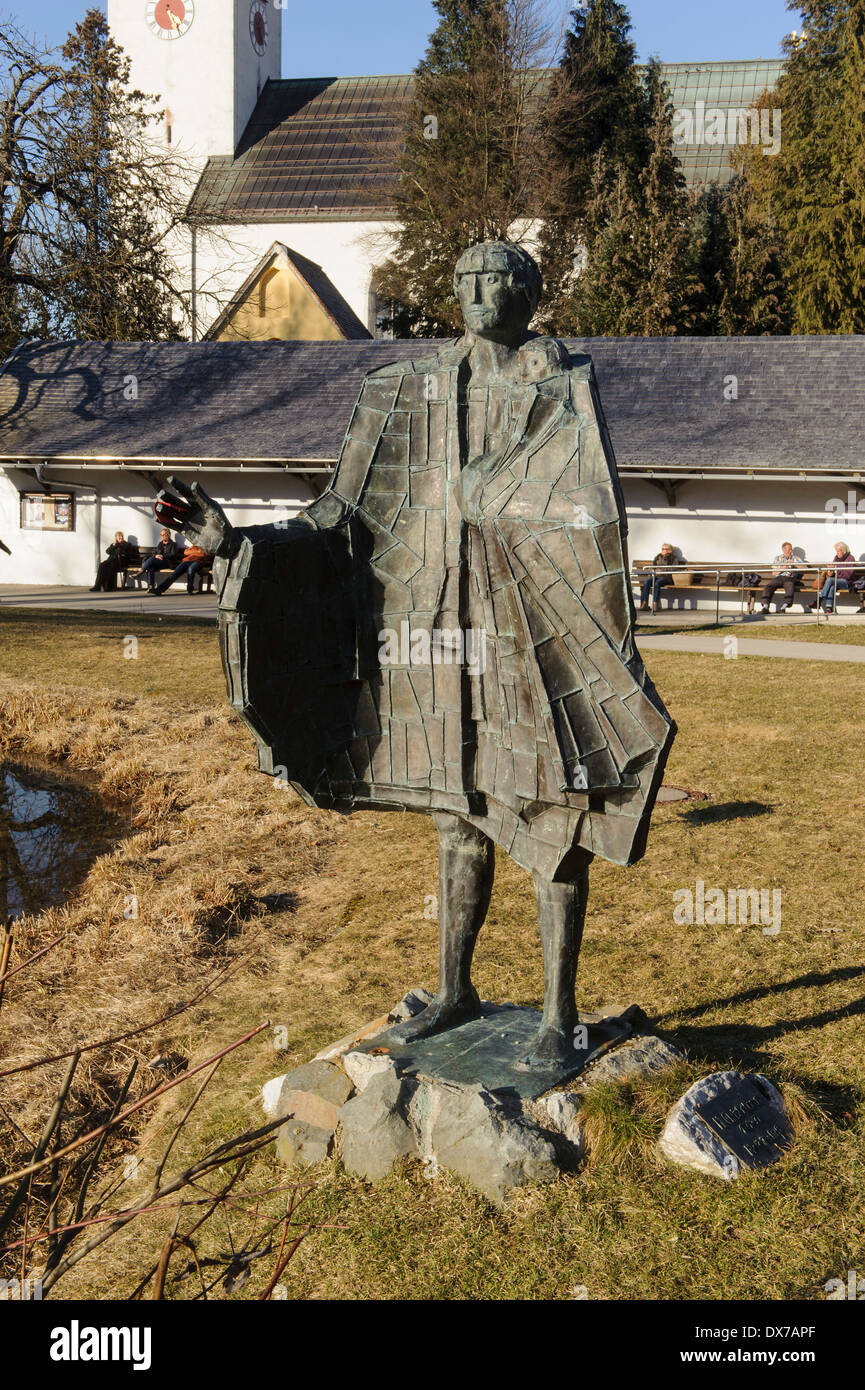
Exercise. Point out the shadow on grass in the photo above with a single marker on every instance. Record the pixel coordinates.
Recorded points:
(225, 921)
(55, 620)
(745, 1043)
(280, 902)
(726, 811)
(682, 629)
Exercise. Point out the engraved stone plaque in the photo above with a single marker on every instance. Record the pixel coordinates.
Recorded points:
(748, 1123)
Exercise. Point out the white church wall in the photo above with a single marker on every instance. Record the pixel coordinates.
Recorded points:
(209, 79)
(209, 76)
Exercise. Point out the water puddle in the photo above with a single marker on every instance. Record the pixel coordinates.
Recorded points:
(52, 827)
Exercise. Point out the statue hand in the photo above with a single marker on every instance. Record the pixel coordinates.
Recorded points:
(205, 524)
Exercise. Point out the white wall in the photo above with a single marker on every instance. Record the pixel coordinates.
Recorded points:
(743, 521)
(725, 521)
(42, 557)
(124, 503)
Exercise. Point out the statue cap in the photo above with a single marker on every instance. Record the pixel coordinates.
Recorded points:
(502, 255)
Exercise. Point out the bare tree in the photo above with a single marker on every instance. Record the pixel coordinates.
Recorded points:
(65, 1199)
(93, 206)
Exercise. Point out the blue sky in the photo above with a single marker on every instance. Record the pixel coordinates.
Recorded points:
(345, 37)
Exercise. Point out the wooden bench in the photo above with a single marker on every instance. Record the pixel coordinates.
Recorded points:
(134, 578)
(707, 580)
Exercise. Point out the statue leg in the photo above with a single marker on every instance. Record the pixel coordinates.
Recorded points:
(561, 915)
(466, 866)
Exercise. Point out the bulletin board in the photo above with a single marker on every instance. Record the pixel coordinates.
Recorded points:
(40, 512)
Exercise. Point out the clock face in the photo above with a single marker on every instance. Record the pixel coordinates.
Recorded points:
(258, 30)
(170, 19)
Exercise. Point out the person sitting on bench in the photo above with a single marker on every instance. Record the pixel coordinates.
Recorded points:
(193, 560)
(784, 571)
(121, 555)
(166, 556)
(667, 555)
(833, 579)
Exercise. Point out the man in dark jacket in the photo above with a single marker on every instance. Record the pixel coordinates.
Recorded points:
(121, 555)
(191, 563)
(166, 556)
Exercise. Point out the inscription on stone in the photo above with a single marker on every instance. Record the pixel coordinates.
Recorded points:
(748, 1124)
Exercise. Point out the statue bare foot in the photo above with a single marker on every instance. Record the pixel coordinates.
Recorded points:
(437, 1017)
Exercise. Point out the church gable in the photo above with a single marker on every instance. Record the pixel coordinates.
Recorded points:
(290, 299)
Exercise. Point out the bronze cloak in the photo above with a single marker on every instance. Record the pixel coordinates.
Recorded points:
(549, 735)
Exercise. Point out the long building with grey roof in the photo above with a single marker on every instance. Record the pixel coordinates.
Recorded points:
(722, 444)
(726, 447)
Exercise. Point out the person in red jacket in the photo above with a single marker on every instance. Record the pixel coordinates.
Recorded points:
(193, 560)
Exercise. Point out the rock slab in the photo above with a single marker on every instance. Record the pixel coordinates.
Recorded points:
(689, 1141)
(374, 1132)
(640, 1056)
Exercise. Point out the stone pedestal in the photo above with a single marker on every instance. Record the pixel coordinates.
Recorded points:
(489, 1051)
(464, 1100)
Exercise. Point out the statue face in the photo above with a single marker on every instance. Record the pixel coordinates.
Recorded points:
(493, 305)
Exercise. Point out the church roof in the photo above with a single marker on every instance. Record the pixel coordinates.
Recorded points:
(328, 148)
(314, 148)
(785, 405)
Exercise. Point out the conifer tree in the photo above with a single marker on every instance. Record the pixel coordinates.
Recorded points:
(120, 198)
(741, 286)
(596, 107)
(638, 275)
(466, 167)
(813, 191)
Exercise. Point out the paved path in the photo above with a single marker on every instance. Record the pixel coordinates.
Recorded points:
(751, 646)
(175, 604)
(178, 604)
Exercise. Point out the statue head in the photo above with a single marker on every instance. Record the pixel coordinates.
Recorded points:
(499, 288)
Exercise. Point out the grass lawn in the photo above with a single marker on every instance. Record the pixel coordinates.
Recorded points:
(328, 913)
(829, 632)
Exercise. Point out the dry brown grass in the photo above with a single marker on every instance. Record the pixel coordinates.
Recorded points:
(202, 842)
(211, 842)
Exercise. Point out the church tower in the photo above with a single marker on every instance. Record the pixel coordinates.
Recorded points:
(206, 60)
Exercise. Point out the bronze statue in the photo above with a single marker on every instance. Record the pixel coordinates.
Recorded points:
(449, 629)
